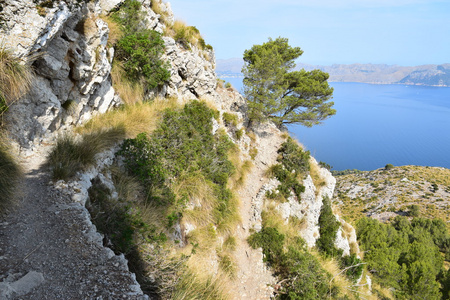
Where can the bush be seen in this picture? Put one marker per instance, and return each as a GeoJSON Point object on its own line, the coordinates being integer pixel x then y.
{"type": "Point", "coordinates": [140, 49]}
{"type": "Point", "coordinates": [355, 270]}
{"type": "Point", "coordinates": [230, 119]}
{"type": "Point", "coordinates": [300, 274]}
{"type": "Point", "coordinates": [293, 158]}
{"type": "Point", "coordinates": [328, 227]}
{"type": "Point", "coordinates": [10, 177]}
{"type": "Point", "coordinates": [414, 210]}
{"type": "Point", "coordinates": [404, 255]}
{"type": "Point", "coordinates": [293, 161]}
{"type": "Point", "coordinates": [182, 146]}
{"type": "Point", "coordinates": [389, 167]}
{"type": "Point", "coordinates": [140, 53]}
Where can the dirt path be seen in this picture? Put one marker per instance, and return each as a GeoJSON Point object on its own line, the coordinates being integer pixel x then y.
{"type": "Point", "coordinates": [253, 278]}
{"type": "Point", "coordinates": [50, 250]}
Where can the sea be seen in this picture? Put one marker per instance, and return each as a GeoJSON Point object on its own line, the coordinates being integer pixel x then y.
{"type": "Point", "coordinates": [379, 124]}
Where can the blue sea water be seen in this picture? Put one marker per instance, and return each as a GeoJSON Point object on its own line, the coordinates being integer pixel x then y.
{"type": "Point", "coordinates": [380, 124]}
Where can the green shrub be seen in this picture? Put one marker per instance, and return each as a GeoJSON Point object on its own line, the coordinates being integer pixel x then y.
{"type": "Point", "coordinates": [293, 158]}
{"type": "Point", "coordinates": [293, 162]}
{"type": "Point", "coordinates": [140, 53]}
{"type": "Point", "coordinates": [182, 145]}
{"type": "Point", "coordinates": [230, 119]}
{"type": "Point", "coordinates": [239, 133]}
{"type": "Point", "coordinates": [300, 274]}
{"type": "Point", "coordinates": [353, 263]}
{"type": "Point", "coordinates": [389, 167]}
{"type": "Point", "coordinates": [71, 154]}
{"type": "Point", "coordinates": [405, 255]}
{"type": "Point", "coordinates": [271, 241]}
{"type": "Point", "coordinates": [325, 165]}
{"type": "Point", "coordinates": [328, 227]}
{"type": "Point", "coordinates": [10, 177]}
{"type": "Point", "coordinates": [414, 210]}
{"type": "Point", "coordinates": [228, 85]}
{"type": "Point", "coordinates": [140, 49]}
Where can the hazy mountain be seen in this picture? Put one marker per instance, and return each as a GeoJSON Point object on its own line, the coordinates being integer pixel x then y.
{"type": "Point", "coordinates": [433, 75]}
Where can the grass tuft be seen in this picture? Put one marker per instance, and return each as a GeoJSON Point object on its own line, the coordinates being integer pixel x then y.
{"type": "Point", "coordinates": [135, 118]}
{"type": "Point", "coordinates": [10, 176]}
{"type": "Point", "coordinates": [15, 79]}
{"type": "Point", "coordinates": [72, 154]}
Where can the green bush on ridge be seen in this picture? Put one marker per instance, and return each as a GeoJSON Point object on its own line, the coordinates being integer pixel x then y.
{"type": "Point", "coordinates": [292, 163]}
{"type": "Point", "coordinates": [140, 49]}
{"type": "Point", "coordinates": [299, 272]}
{"type": "Point", "coordinates": [182, 145]}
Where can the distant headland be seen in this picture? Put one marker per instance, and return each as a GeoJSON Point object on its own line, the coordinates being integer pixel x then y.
{"type": "Point", "coordinates": [428, 75]}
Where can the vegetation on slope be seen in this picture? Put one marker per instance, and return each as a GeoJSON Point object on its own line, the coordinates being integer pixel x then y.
{"type": "Point", "coordinates": [10, 176]}
{"type": "Point", "coordinates": [292, 167]}
{"type": "Point", "coordinates": [405, 255]}
{"type": "Point", "coordinates": [139, 49]}
{"type": "Point", "coordinates": [179, 174]}
{"type": "Point", "coordinates": [387, 192]}
{"type": "Point", "coordinates": [15, 79]}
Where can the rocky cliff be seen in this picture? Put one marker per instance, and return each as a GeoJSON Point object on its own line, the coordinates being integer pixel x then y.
{"type": "Point", "coordinates": [66, 43]}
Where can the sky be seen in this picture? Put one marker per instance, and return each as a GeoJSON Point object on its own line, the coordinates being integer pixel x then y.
{"type": "Point", "coordinates": [402, 32]}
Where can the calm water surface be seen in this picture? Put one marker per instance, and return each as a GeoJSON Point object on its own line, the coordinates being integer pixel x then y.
{"type": "Point", "coordinates": [380, 124]}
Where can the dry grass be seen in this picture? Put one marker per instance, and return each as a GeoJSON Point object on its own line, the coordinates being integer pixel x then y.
{"type": "Point", "coordinates": [157, 9]}
{"type": "Point", "coordinates": [114, 30]}
{"type": "Point", "coordinates": [10, 176]}
{"type": "Point", "coordinates": [199, 194]}
{"type": "Point", "coordinates": [338, 279]}
{"type": "Point", "coordinates": [128, 188]}
{"type": "Point", "coordinates": [15, 78]}
{"type": "Point", "coordinates": [135, 119]}
{"type": "Point", "coordinates": [200, 283]}
{"type": "Point", "coordinates": [314, 171]}
{"type": "Point", "coordinates": [129, 92]}
{"type": "Point", "coordinates": [186, 35]}
{"type": "Point", "coordinates": [243, 168]}
{"type": "Point", "coordinates": [272, 218]}
{"type": "Point", "coordinates": [228, 221]}
{"type": "Point", "coordinates": [72, 154]}
{"type": "Point", "coordinates": [90, 26]}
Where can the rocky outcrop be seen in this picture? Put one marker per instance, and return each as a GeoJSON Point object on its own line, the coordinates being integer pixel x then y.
{"type": "Point", "coordinates": [72, 65]}
{"type": "Point", "coordinates": [68, 46]}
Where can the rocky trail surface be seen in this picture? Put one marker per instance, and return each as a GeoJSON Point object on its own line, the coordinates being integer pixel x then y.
{"type": "Point", "coordinates": [254, 280]}
{"type": "Point", "coordinates": [49, 249]}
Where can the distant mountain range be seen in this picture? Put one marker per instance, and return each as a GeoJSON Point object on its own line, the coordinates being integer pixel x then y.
{"type": "Point", "coordinates": [430, 75]}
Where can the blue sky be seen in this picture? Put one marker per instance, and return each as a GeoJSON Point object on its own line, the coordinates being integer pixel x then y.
{"type": "Point", "coordinates": [403, 32]}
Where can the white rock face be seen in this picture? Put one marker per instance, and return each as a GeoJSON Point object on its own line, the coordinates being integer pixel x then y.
{"type": "Point", "coordinates": [192, 72]}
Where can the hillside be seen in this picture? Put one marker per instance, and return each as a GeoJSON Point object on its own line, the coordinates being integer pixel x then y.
{"type": "Point", "coordinates": [130, 172]}
{"type": "Point", "coordinates": [385, 193]}
{"type": "Point", "coordinates": [430, 75]}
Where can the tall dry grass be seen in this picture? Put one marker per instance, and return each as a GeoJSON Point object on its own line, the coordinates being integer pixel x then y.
{"type": "Point", "coordinates": [15, 78]}
{"type": "Point", "coordinates": [10, 176]}
{"type": "Point", "coordinates": [134, 119]}
{"type": "Point", "coordinates": [129, 92]}
{"type": "Point", "coordinates": [74, 153]}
